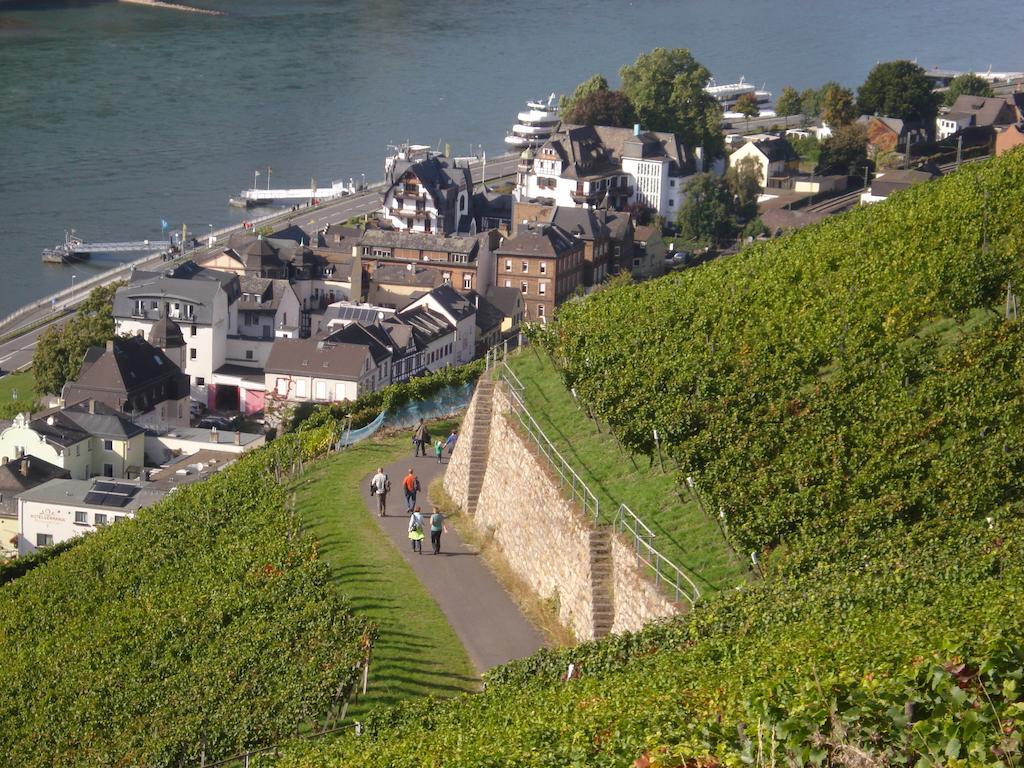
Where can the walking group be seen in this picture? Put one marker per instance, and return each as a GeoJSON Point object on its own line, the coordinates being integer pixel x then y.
{"type": "Point", "coordinates": [380, 487]}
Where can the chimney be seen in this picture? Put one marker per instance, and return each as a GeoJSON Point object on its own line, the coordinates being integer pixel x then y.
{"type": "Point", "coordinates": [110, 345]}
{"type": "Point", "coordinates": [92, 406]}
{"type": "Point", "coordinates": [356, 277]}
{"type": "Point", "coordinates": [214, 436]}
{"type": "Point", "coordinates": [25, 464]}
{"type": "Point", "coordinates": [238, 437]}
{"type": "Point", "coordinates": [636, 129]}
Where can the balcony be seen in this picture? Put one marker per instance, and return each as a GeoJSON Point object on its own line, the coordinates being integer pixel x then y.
{"type": "Point", "coordinates": [409, 213]}
{"type": "Point", "coordinates": [408, 193]}
{"type": "Point", "coordinates": [587, 198]}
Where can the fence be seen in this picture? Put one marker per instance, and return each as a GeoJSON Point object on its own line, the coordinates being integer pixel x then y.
{"type": "Point", "coordinates": [578, 490]}
{"type": "Point", "coordinates": [625, 521]}
{"type": "Point", "coordinates": [660, 567]}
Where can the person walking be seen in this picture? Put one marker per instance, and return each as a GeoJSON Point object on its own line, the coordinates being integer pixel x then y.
{"type": "Point", "coordinates": [411, 484]}
{"type": "Point", "coordinates": [450, 442]}
{"type": "Point", "coordinates": [416, 530]}
{"type": "Point", "coordinates": [420, 439]}
{"type": "Point", "coordinates": [437, 527]}
{"type": "Point", "coordinates": [438, 450]}
{"type": "Point", "coordinates": [380, 486]}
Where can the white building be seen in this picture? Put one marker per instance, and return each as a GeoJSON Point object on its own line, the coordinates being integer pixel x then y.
{"type": "Point", "coordinates": [775, 158]}
{"type": "Point", "coordinates": [427, 193]}
{"type": "Point", "coordinates": [585, 166]}
{"type": "Point", "coordinates": [459, 312]}
{"type": "Point", "coordinates": [63, 509]}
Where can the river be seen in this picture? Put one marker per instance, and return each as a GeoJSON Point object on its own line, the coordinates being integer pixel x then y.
{"type": "Point", "coordinates": [113, 117]}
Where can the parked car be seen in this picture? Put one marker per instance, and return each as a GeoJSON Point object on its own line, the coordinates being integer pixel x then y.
{"type": "Point", "coordinates": [220, 422]}
{"type": "Point", "coordinates": [196, 408]}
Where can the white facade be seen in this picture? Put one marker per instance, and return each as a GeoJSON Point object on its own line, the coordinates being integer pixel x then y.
{"type": "Point", "coordinates": [464, 347]}
{"type": "Point", "coordinates": [950, 124]}
{"type": "Point", "coordinates": [91, 457]}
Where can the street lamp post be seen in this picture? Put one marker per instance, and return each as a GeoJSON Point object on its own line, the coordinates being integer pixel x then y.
{"type": "Point", "coordinates": [209, 242]}
{"type": "Point", "coordinates": [73, 287]}
{"type": "Point", "coordinates": [363, 185]}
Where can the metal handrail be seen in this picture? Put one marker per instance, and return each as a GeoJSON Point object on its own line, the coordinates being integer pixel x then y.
{"type": "Point", "coordinates": [643, 548]}
{"type": "Point", "coordinates": [579, 491]}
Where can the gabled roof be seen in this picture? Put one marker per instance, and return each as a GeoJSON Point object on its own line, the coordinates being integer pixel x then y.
{"type": "Point", "coordinates": [506, 300]}
{"type": "Point", "coordinates": [124, 366]}
{"type": "Point", "coordinates": [191, 284]}
{"type": "Point", "coordinates": [454, 303]}
{"type": "Point", "coordinates": [777, 150]}
{"type": "Point", "coordinates": [984, 110]}
{"type": "Point", "coordinates": [398, 274]}
{"type": "Point", "coordinates": [421, 241]}
{"type": "Point", "coordinates": [317, 357]}
{"type": "Point", "coordinates": [488, 316]}
{"type": "Point", "coordinates": [426, 325]}
{"type": "Point", "coordinates": [27, 472]}
{"type": "Point", "coordinates": [166, 334]}
{"type": "Point", "coordinates": [355, 334]}
{"type": "Point", "coordinates": [585, 223]}
{"type": "Point", "coordinates": [261, 294]}
{"type": "Point", "coordinates": [73, 424]}
{"type": "Point", "coordinates": [541, 240]}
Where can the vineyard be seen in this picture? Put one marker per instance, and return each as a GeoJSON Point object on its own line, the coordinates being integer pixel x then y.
{"type": "Point", "coordinates": [205, 625]}
{"type": "Point", "coordinates": [849, 399]}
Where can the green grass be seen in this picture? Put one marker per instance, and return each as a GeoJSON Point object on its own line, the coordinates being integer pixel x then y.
{"type": "Point", "coordinates": [417, 652]}
{"type": "Point", "coordinates": [24, 386]}
{"type": "Point", "coordinates": [684, 534]}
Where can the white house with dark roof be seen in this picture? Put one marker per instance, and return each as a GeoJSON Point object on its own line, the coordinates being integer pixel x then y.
{"type": "Point", "coordinates": [774, 157]}
{"type": "Point", "coordinates": [427, 193]}
{"type": "Point", "coordinates": [587, 166]}
{"type": "Point", "coordinates": [200, 301]}
{"type": "Point", "coordinates": [460, 313]}
{"type": "Point", "coordinates": [87, 439]}
{"type": "Point", "coordinates": [64, 509]}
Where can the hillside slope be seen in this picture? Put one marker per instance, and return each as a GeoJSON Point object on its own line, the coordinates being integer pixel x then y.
{"type": "Point", "coordinates": [849, 398]}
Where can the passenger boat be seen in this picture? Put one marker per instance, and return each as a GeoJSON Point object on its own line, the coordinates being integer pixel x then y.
{"type": "Point", "coordinates": [535, 125]}
{"type": "Point", "coordinates": [65, 253]}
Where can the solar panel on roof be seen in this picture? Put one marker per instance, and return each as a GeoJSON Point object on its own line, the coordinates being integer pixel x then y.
{"type": "Point", "coordinates": [110, 494]}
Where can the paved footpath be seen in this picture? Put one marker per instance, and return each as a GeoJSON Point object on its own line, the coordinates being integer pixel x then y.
{"type": "Point", "coordinates": [488, 623]}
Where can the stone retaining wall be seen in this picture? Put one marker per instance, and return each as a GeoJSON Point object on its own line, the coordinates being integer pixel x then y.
{"type": "Point", "coordinates": [544, 537]}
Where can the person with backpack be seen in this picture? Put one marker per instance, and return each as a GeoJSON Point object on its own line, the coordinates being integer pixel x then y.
{"type": "Point", "coordinates": [437, 526]}
{"type": "Point", "coordinates": [420, 439]}
{"type": "Point", "coordinates": [438, 450]}
{"type": "Point", "coordinates": [416, 530]}
{"type": "Point", "coordinates": [380, 486]}
{"type": "Point", "coordinates": [411, 485]}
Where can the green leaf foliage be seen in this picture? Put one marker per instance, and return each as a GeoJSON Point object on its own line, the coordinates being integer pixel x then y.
{"type": "Point", "coordinates": [850, 399]}
{"type": "Point", "coordinates": [206, 621]}
{"type": "Point", "coordinates": [898, 89]}
{"type": "Point", "coordinates": [967, 83]}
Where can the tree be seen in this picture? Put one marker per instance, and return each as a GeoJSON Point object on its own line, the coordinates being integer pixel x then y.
{"type": "Point", "coordinates": [844, 152]}
{"type": "Point", "coordinates": [60, 350]}
{"type": "Point", "coordinates": [810, 102]}
{"type": "Point", "coordinates": [592, 84]}
{"type": "Point", "coordinates": [666, 88]}
{"type": "Point", "coordinates": [744, 181]}
{"type": "Point", "coordinates": [747, 105]}
{"type": "Point", "coordinates": [706, 215]}
{"type": "Point", "coordinates": [968, 84]}
{"type": "Point", "coordinates": [898, 89]}
{"type": "Point", "coordinates": [788, 102]}
{"type": "Point", "coordinates": [601, 108]}
{"type": "Point", "coordinates": [837, 107]}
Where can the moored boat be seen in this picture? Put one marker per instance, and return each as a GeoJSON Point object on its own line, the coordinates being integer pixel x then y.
{"type": "Point", "coordinates": [535, 125]}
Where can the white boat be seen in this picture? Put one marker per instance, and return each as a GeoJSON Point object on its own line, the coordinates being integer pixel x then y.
{"type": "Point", "coordinates": [535, 125]}
{"type": "Point", "coordinates": [728, 94]}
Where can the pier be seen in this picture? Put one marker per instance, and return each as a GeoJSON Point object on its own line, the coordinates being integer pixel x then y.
{"type": "Point", "coordinates": [255, 196]}
{"type": "Point", "coordinates": [75, 249]}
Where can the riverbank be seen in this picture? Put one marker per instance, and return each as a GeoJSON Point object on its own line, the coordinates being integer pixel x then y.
{"type": "Point", "coordinates": [174, 7]}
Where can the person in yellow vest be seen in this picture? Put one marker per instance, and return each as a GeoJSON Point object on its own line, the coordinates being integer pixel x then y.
{"type": "Point", "coordinates": [416, 530]}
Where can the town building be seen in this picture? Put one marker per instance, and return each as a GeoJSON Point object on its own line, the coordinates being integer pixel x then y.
{"type": "Point", "coordinates": [460, 313]}
{"type": "Point", "coordinates": [136, 378]}
{"type": "Point", "coordinates": [776, 160]}
{"type": "Point", "coordinates": [87, 439]}
{"type": "Point", "coordinates": [886, 183]}
{"type": "Point", "coordinates": [891, 134]}
{"type": "Point", "coordinates": [427, 193]}
{"type": "Point", "coordinates": [1009, 137]}
{"type": "Point", "coordinates": [16, 477]}
{"type": "Point", "coordinates": [508, 301]}
{"type": "Point", "coordinates": [590, 226]}
{"type": "Point", "coordinates": [464, 261]}
{"type": "Point", "coordinates": [64, 509]}
{"type": "Point", "coordinates": [590, 166]}
{"type": "Point", "coordinates": [980, 111]}
{"type": "Point", "coordinates": [545, 263]}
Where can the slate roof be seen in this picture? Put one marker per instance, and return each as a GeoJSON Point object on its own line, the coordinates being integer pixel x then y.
{"type": "Point", "coordinates": [505, 300]}
{"type": "Point", "coordinates": [338, 355]}
{"type": "Point", "coordinates": [397, 274]}
{"type": "Point", "coordinates": [777, 151]}
{"type": "Point", "coordinates": [455, 303]}
{"type": "Point", "coordinates": [124, 366]}
{"type": "Point", "coordinates": [587, 223]}
{"type": "Point", "coordinates": [543, 240]}
{"type": "Point", "coordinates": [426, 325]}
{"type": "Point", "coordinates": [194, 285]}
{"type": "Point", "coordinates": [19, 475]}
{"type": "Point", "coordinates": [261, 294]}
{"type": "Point", "coordinates": [985, 111]}
{"type": "Point", "coordinates": [166, 334]}
{"type": "Point", "coordinates": [488, 316]}
{"type": "Point", "coordinates": [421, 241]}
{"type": "Point", "coordinates": [101, 492]}
{"type": "Point", "coordinates": [74, 423]}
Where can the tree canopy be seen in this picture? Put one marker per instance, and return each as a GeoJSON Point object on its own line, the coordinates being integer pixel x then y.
{"type": "Point", "coordinates": [968, 83]}
{"type": "Point", "coordinates": [707, 214]}
{"type": "Point", "coordinates": [898, 89]}
{"type": "Point", "coordinates": [601, 107]}
{"type": "Point", "coordinates": [837, 107]}
{"type": "Point", "coordinates": [788, 102]}
{"type": "Point", "coordinates": [844, 152]}
{"type": "Point", "coordinates": [61, 349]}
{"type": "Point", "coordinates": [747, 105]}
{"type": "Point", "coordinates": [593, 84]}
{"type": "Point", "coordinates": [666, 88]}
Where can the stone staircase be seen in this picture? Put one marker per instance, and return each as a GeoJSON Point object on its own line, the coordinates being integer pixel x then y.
{"type": "Point", "coordinates": [480, 438]}
{"type": "Point", "coordinates": [601, 586]}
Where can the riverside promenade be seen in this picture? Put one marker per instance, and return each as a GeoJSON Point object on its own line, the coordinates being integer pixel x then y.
{"type": "Point", "coordinates": [20, 329]}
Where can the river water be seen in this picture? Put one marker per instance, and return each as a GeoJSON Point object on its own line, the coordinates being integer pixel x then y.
{"type": "Point", "coordinates": [113, 117]}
